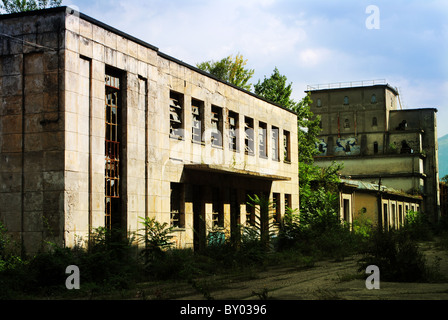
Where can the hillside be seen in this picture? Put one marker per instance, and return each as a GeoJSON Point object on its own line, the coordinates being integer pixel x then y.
{"type": "Point", "coordinates": [443, 156]}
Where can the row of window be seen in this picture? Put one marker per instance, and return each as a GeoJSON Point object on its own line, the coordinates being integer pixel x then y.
{"type": "Point", "coordinates": [346, 100]}
{"type": "Point", "coordinates": [177, 128]}
{"type": "Point", "coordinates": [177, 216]}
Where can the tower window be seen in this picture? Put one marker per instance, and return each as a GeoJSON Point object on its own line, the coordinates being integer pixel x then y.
{"type": "Point", "coordinates": [374, 122]}
{"type": "Point", "coordinates": [373, 98]}
{"type": "Point", "coordinates": [375, 147]}
{"type": "Point", "coordinates": [346, 100]}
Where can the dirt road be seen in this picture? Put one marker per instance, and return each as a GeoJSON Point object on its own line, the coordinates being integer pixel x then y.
{"type": "Point", "coordinates": [326, 280]}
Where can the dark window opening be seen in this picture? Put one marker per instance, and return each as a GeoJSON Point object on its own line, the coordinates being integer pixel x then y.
{"type": "Point", "coordinates": [249, 136]}
{"type": "Point", "coordinates": [216, 134]}
{"type": "Point", "coordinates": [275, 142]}
{"type": "Point", "coordinates": [176, 115]}
{"type": "Point", "coordinates": [375, 147]}
{"type": "Point", "coordinates": [233, 131]}
{"type": "Point", "coordinates": [276, 207]}
{"type": "Point", "coordinates": [113, 106]}
{"type": "Point", "coordinates": [287, 202]}
{"type": "Point", "coordinates": [262, 135]}
{"type": "Point", "coordinates": [217, 208]}
{"type": "Point", "coordinates": [176, 213]}
{"type": "Point", "coordinates": [346, 123]}
{"type": "Point", "coordinates": [374, 122]}
{"type": "Point", "coordinates": [197, 127]}
{"type": "Point", "coordinates": [286, 146]}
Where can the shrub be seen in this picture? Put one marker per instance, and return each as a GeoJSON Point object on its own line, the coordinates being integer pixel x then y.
{"type": "Point", "coordinates": [397, 256]}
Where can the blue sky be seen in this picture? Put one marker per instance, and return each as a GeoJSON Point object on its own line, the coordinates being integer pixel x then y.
{"type": "Point", "coordinates": [311, 42]}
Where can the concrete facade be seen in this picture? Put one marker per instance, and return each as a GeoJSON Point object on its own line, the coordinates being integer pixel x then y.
{"type": "Point", "coordinates": [99, 128]}
{"type": "Point", "coordinates": [365, 129]}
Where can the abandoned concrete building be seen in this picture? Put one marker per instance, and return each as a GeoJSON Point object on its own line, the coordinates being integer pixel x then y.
{"type": "Point", "coordinates": [365, 128]}
{"type": "Point", "coordinates": [98, 128]}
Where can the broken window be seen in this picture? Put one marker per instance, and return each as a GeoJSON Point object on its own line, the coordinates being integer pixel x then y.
{"type": "Point", "coordinates": [217, 208]}
{"type": "Point", "coordinates": [176, 115]}
{"type": "Point", "coordinates": [112, 149]}
{"type": "Point", "coordinates": [275, 144]}
{"type": "Point", "coordinates": [233, 131]}
{"type": "Point", "coordinates": [262, 139]}
{"type": "Point", "coordinates": [197, 112]}
{"type": "Point", "coordinates": [286, 146]}
{"type": "Point", "coordinates": [176, 217]}
{"type": "Point", "coordinates": [249, 135]}
{"type": "Point", "coordinates": [216, 134]}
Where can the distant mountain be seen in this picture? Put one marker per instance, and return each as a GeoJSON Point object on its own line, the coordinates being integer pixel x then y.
{"type": "Point", "coordinates": [443, 156]}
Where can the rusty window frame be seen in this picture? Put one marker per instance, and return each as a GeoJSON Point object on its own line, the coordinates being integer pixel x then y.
{"type": "Point", "coordinates": [112, 143]}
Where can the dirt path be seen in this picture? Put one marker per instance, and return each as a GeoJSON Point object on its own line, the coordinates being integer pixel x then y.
{"type": "Point", "coordinates": [326, 280]}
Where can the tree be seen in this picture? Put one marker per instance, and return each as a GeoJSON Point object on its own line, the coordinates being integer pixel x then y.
{"type": "Point", "coordinates": [275, 89]}
{"type": "Point", "coordinates": [230, 69]}
{"type": "Point", "coordinates": [13, 6]}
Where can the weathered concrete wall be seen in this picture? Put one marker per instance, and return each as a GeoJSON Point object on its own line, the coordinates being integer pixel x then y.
{"type": "Point", "coordinates": [32, 129]}
{"type": "Point", "coordinates": [55, 170]}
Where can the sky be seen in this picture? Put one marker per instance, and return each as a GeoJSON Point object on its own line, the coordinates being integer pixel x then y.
{"type": "Point", "coordinates": [404, 42]}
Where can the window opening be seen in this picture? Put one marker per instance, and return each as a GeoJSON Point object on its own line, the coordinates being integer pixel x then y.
{"type": "Point", "coordinates": [112, 149]}
{"type": "Point", "coordinates": [286, 146]}
{"type": "Point", "coordinates": [176, 115]}
{"type": "Point", "coordinates": [287, 202]}
{"type": "Point", "coordinates": [345, 100]}
{"type": "Point", "coordinates": [217, 215]}
{"type": "Point", "coordinates": [175, 205]}
{"type": "Point", "coordinates": [375, 147]}
{"type": "Point", "coordinates": [249, 135]}
{"type": "Point", "coordinates": [276, 207]}
{"type": "Point", "coordinates": [346, 123]}
{"type": "Point", "coordinates": [233, 131]}
{"type": "Point", "coordinates": [374, 122]}
{"type": "Point", "coordinates": [197, 111]}
{"type": "Point", "coordinates": [216, 134]}
{"type": "Point", "coordinates": [373, 98]}
{"type": "Point", "coordinates": [275, 141]}
{"type": "Point", "coordinates": [262, 138]}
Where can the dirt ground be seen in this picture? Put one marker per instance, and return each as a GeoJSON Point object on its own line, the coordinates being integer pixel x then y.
{"type": "Point", "coordinates": [326, 280]}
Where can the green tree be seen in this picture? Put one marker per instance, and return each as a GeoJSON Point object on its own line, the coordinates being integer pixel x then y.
{"type": "Point", "coordinates": [230, 69]}
{"type": "Point", "coordinates": [276, 90]}
{"type": "Point", "coordinates": [13, 6]}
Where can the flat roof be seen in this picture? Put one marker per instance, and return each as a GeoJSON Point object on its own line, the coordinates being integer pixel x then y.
{"type": "Point", "coordinates": [83, 16]}
{"type": "Point", "coordinates": [323, 88]}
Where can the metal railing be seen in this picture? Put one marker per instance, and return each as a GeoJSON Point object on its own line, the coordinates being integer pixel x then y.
{"type": "Point", "coordinates": [349, 84]}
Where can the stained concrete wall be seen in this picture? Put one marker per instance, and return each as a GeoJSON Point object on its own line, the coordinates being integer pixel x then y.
{"type": "Point", "coordinates": [32, 128]}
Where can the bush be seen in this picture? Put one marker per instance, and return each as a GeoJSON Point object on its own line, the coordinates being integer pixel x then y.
{"type": "Point", "coordinates": [397, 256]}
